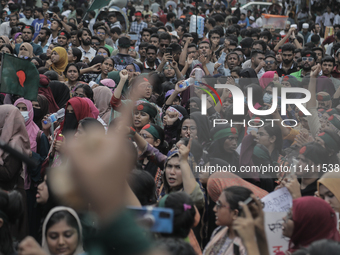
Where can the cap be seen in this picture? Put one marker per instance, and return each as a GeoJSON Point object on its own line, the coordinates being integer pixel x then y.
{"type": "Point", "coordinates": [293, 26]}
{"type": "Point", "coordinates": [155, 14]}
{"type": "Point", "coordinates": [252, 18]}
{"type": "Point", "coordinates": [305, 25]}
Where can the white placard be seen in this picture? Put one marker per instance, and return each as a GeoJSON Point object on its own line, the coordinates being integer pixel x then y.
{"type": "Point", "coordinates": [278, 201]}
{"type": "Point", "coordinates": [273, 228]}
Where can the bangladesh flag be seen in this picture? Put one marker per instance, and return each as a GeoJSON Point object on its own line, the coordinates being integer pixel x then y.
{"type": "Point", "coordinates": [98, 4]}
{"type": "Point", "coordinates": [19, 76]}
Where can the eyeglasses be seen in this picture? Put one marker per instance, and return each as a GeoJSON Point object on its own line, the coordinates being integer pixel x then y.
{"type": "Point", "coordinates": [102, 53]}
{"type": "Point", "coordinates": [145, 136]}
{"type": "Point", "coordinates": [192, 128]}
{"type": "Point", "coordinates": [100, 33]}
{"type": "Point", "coordinates": [269, 62]}
{"type": "Point", "coordinates": [78, 95]}
{"type": "Point", "coordinates": [95, 43]}
{"type": "Point", "coordinates": [24, 57]}
{"type": "Point", "coordinates": [309, 59]}
{"type": "Point", "coordinates": [164, 45]}
{"type": "Point", "coordinates": [219, 205]}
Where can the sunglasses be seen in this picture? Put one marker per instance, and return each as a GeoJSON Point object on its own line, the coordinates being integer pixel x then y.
{"type": "Point", "coordinates": [164, 45]}
{"type": "Point", "coordinates": [270, 62]}
{"type": "Point", "coordinates": [78, 95]}
{"type": "Point", "coordinates": [97, 43]}
{"type": "Point", "coordinates": [310, 59]}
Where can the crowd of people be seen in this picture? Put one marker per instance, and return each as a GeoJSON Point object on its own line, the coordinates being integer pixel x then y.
{"type": "Point", "coordinates": [133, 131]}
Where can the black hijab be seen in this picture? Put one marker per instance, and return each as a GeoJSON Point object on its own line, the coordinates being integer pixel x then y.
{"type": "Point", "coordinates": [40, 113]}
{"type": "Point", "coordinates": [248, 76]}
{"type": "Point", "coordinates": [61, 93]}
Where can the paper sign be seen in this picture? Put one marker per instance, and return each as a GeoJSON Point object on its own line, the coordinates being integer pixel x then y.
{"type": "Point", "coordinates": [278, 201]}
{"type": "Point", "coordinates": [273, 228]}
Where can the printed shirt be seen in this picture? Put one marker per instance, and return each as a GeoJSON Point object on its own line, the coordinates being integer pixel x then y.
{"type": "Point", "coordinates": [138, 27]}
{"type": "Point", "coordinates": [90, 54]}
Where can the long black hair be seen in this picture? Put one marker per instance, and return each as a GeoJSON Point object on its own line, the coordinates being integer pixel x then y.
{"type": "Point", "coordinates": [63, 215]}
{"type": "Point", "coordinates": [236, 194]}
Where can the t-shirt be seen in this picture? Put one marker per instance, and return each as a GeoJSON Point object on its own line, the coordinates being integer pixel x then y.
{"type": "Point", "coordinates": [37, 24]}
{"type": "Point", "coordinates": [327, 19]}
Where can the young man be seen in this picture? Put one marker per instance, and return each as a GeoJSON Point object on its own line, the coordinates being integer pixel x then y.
{"type": "Point", "coordinates": [204, 50]}
{"type": "Point", "coordinates": [74, 39]}
{"type": "Point", "coordinates": [6, 27]}
{"type": "Point", "coordinates": [257, 62]}
{"type": "Point", "coordinates": [243, 22]}
{"type": "Point", "coordinates": [308, 61]}
{"type": "Point", "coordinates": [146, 33]}
{"type": "Point", "coordinates": [288, 65]}
{"type": "Point", "coordinates": [43, 36]}
{"type": "Point", "coordinates": [151, 63]}
{"type": "Point", "coordinates": [56, 26]}
{"type": "Point", "coordinates": [154, 40]}
{"type": "Point", "coordinates": [336, 69]}
{"type": "Point", "coordinates": [171, 17]}
{"type": "Point", "coordinates": [28, 16]}
{"type": "Point", "coordinates": [84, 38]}
{"type": "Point", "coordinates": [115, 34]}
{"type": "Point", "coordinates": [142, 51]}
{"type": "Point", "coordinates": [114, 21]}
{"type": "Point", "coordinates": [271, 64]}
{"type": "Point", "coordinates": [209, 23]}
{"type": "Point", "coordinates": [232, 60]}
{"type": "Point", "coordinates": [305, 33]}
{"type": "Point", "coordinates": [95, 42]}
{"type": "Point", "coordinates": [27, 35]}
{"type": "Point", "coordinates": [39, 22]}
{"type": "Point", "coordinates": [327, 66]}
{"type": "Point", "coordinates": [138, 25]}
{"type": "Point", "coordinates": [123, 59]}
{"type": "Point", "coordinates": [73, 13]}
{"type": "Point", "coordinates": [102, 35]}
{"type": "Point", "coordinates": [92, 18]}
{"type": "Point", "coordinates": [164, 42]}
{"type": "Point", "coordinates": [64, 39]}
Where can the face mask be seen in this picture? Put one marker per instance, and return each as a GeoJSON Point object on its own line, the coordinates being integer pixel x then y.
{"type": "Point", "coordinates": [267, 98]}
{"type": "Point", "coordinates": [71, 123]}
{"type": "Point", "coordinates": [237, 80]}
{"type": "Point", "coordinates": [249, 129]}
{"type": "Point", "coordinates": [25, 115]}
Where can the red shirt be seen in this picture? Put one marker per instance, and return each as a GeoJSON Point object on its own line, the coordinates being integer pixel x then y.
{"type": "Point", "coordinates": [335, 73]}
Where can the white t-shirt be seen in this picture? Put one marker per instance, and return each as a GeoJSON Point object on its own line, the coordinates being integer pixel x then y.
{"type": "Point", "coordinates": [327, 19]}
{"type": "Point", "coordinates": [336, 20]}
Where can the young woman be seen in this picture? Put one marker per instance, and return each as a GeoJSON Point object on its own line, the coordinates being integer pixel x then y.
{"type": "Point", "coordinates": [226, 210]}
{"type": "Point", "coordinates": [300, 223]}
{"type": "Point", "coordinates": [106, 67]}
{"type": "Point", "coordinates": [58, 61]}
{"type": "Point", "coordinates": [6, 48]}
{"type": "Point", "coordinates": [25, 51]}
{"type": "Point", "coordinates": [72, 73]}
{"type": "Point", "coordinates": [40, 109]}
{"type": "Point", "coordinates": [144, 113]}
{"type": "Point", "coordinates": [328, 190]}
{"type": "Point", "coordinates": [267, 77]}
{"type": "Point", "coordinates": [62, 232]}
{"type": "Point", "coordinates": [102, 96]}
{"type": "Point", "coordinates": [83, 90]}
{"type": "Point", "coordinates": [61, 93]}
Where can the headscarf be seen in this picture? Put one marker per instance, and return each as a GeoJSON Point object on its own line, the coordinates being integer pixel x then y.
{"type": "Point", "coordinates": [81, 110]}
{"type": "Point", "coordinates": [94, 110]}
{"type": "Point", "coordinates": [219, 181]}
{"type": "Point", "coordinates": [6, 39]}
{"type": "Point", "coordinates": [60, 66]}
{"type": "Point", "coordinates": [40, 113]}
{"type": "Point", "coordinates": [325, 84]}
{"type": "Point", "coordinates": [324, 97]}
{"type": "Point", "coordinates": [61, 93]}
{"type": "Point", "coordinates": [31, 127]}
{"type": "Point", "coordinates": [267, 78]}
{"type": "Point", "coordinates": [13, 131]}
{"type": "Point", "coordinates": [311, 214]}
{"type": "Point", "coordinates": [114, 75]}
{"type": "Point", "coordinates": [102, 96]}
{"type": "Point", "coordinates": [249, 76]}
{"type": "Point", "coordinates": [108, 83]}
{"type": "Point", "coordinates": [44, 244]}
{"type": "Point", "coordinates": [16, 36]}
{"type": "Point", "coordinates": [332, 182]}
{"type": "Point", "coordinates": [29, 48]}
{"type": "Point", "coordinates": [45, 90]}
{"type": "Point", "coordinates": [203, 127]}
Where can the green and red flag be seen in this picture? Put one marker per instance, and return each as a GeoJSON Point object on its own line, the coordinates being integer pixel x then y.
{"type": "Point", "coordinates": [19, 77]}
{"type": "Point", "coordinates": [98, 4]}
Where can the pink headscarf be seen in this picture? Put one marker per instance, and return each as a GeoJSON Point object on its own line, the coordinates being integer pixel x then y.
{"type": "Point", "coordinates": [109, 83]}
{"type": "Point", "coordinates": [267, 78]}
{"type": "Point", "coordinates": [94, 110]}
{"type": "Point", "coordinates": [31, 127]}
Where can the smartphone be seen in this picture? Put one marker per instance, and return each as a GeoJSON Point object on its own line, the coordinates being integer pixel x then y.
{"type": "Point", "coordinates": [50, 14]}
{"type": "Point", "coordinates": [246, 202]}
{"type": "Point", "coordinates": [168, 50]}
{"type": "Point", "coordinates": [156, 219]}
{"type": "Point", "coordinates": [133, 37]}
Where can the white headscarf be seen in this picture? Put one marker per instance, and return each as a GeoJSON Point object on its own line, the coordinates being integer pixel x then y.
{"type": "Point", "coordinates": [44, 245]}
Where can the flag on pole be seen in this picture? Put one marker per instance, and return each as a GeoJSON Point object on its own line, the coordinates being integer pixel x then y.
{"type": "Point", "coordinates": [98, 4]}
{"type": "Point", "coordinates": [19, 76]}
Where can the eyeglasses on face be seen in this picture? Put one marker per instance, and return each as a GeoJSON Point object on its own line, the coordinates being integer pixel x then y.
{"type": "Point", "coordinates": [75, 94]}
{"type": "Point", "coordinates": [100, 33]}
{"type": "Point", "coordinates": [192, 128]}
{"type": "Point", "coordinates": [102, 53]}
{"type": "Point", "coordinates": [270, 62]}
{"type": "Point", "coordinates": [309, 59]}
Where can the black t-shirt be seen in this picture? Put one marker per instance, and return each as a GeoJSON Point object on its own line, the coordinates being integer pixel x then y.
{"type": "Point", "coordinates": [310, 189]}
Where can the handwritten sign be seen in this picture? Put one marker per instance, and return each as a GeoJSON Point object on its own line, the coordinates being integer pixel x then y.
{"type": "Point", "coordinates": [278, 201]}
{"type": "Point", "coordinates": [273, 228]}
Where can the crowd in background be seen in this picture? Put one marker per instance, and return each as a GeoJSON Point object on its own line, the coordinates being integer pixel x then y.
{"type": "Point", "coordinates": [133, 133]}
